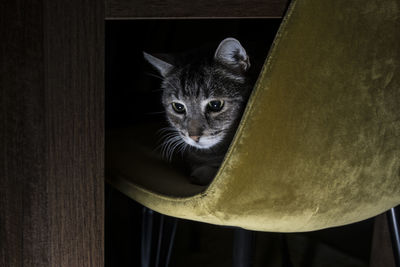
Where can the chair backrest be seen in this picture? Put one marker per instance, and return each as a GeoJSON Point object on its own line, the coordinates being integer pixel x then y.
{"type": "Point", "coordinates": [319, 144]}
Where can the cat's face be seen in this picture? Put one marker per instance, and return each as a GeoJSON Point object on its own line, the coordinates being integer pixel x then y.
{"type": "Point", "coordinates": [203, 101]}
{"type": "Point", "coordinates": [201, 104]}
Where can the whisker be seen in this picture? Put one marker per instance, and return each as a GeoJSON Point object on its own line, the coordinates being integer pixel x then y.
{"type": "Point", "coordinates": [165, 139]}
{"type": "Point", "coordinates": [168, 128]}
{"type": "Point", "coordinates": [154, 113]}
{"type": "Point", "coordinates": [183, 147]}
{"type": "Point", "coordinates": [169, 135]}
{"type": "Point", "coordinates": [165, 129]}
{"type": "Point", "coordinates": [169, 145]}
{"type": "Point", "coordinates": [154, 75]}
{"type": "Point", "coordinates": [170, 149]}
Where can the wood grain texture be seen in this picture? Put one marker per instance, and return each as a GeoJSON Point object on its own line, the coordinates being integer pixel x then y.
{"type": "Point", "coordinates": [51, 133]}
{"type": "Point", "coordinates": [124, 9]}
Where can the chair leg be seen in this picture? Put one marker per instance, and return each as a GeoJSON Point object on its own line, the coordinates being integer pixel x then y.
{"type": "Point", "coordinates": [243, 247]}
{"type": "Point", "coordinates": [147, 233]}
{"type": "Point", "coordinates": [166, 236]}
{"type": "Point", "coordinates": [108, 226]}
{"type": "Point", "coordinates": [286, 261]}
{"type": "Point", "coordinates": [393, 216]}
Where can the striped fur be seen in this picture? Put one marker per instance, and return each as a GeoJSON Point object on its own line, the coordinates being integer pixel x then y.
{"type": "Point", "coordinates": [222, 77]}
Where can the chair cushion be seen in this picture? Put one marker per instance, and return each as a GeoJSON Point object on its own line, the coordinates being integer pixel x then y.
{"type": "Point", "coordinates": [319, 143]}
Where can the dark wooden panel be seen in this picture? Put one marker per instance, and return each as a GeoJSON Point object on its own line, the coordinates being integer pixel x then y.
{"type": "Point", "coordinates": [51, 133]}
{"type": "Point", "coordinates": [125, 9]}
{"type": "Point", "coordinates": [23, 224]}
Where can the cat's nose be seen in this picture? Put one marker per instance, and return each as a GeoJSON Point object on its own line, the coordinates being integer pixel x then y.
{"type": "Point", "coordinates": [195, 138]}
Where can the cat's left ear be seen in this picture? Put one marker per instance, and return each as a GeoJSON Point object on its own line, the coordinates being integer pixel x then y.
{"type": "Point", "coordinates": [231, 53]}
{"type": "Point", "coordinates": [162, 66]}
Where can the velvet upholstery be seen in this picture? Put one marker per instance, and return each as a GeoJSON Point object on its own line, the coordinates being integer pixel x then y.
{"type": "Point", "coordinates": [319, 143]}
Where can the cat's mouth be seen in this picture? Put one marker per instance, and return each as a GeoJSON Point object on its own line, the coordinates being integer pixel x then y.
{"type": "Point", "coordinates": [205, 141]}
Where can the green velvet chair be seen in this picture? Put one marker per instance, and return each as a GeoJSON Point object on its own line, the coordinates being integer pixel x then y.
{"type": "Point", "coordinates": [319, 143]}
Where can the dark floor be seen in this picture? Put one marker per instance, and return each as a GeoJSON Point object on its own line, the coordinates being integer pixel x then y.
{"type": "Point", "coordinates": [198, 244]}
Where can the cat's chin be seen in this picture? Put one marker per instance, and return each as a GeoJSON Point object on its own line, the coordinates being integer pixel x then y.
{"type": "Point", "coordinates": [205, 142]}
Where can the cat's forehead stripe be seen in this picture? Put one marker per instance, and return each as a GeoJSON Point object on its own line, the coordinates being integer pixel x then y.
{"type": "Point", "coordinates": [192, 83]}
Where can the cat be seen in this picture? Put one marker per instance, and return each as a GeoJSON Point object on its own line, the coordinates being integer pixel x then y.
{"type": "Point", "coordinates": [204, 100]}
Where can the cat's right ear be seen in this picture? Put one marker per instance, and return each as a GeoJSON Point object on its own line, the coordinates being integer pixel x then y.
{"type": "Point", "coordinates": [163, 67]}
{"type": "Point", "coordinates": [231, 53]}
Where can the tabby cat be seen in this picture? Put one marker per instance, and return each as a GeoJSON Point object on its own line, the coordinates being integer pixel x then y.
{"type": "Point", "coordinates": [204, 100]}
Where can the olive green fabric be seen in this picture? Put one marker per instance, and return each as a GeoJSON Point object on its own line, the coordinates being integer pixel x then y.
{"type": "Point", "coordinates": [319, 144]}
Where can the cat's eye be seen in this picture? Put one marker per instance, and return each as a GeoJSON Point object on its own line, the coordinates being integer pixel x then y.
{"type": "Point", "coordinates": [215, 105]}
{"type": "Point", "coordinates": [178, 107]}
